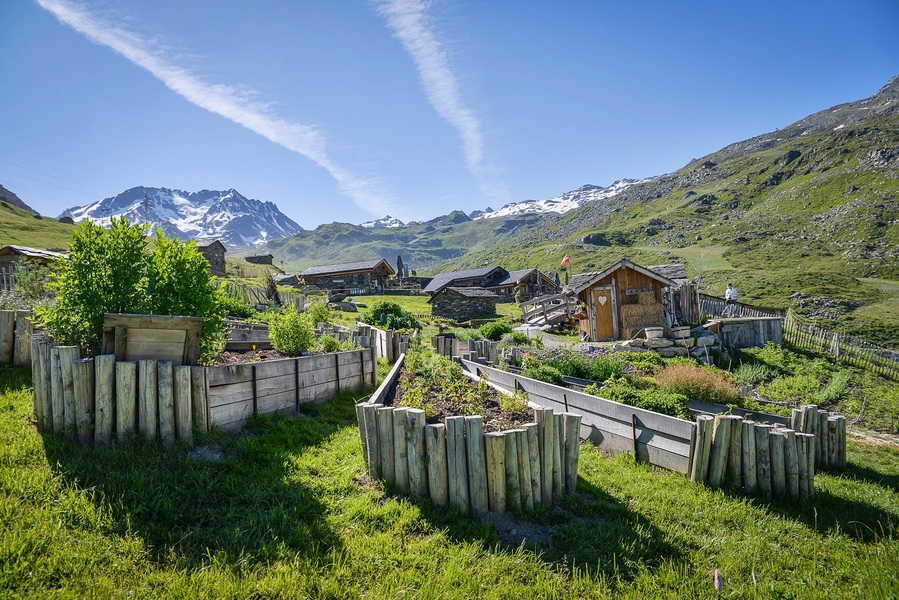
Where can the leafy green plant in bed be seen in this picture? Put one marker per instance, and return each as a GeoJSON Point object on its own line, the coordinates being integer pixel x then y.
{"type": "Point", "coordinates": [546, 373]}
{"type": "Point", "coordinates": [495, 331]}
{"type": "Point", "coordinates": [654, 399]}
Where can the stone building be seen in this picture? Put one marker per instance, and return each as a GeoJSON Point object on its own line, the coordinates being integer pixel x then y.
{"type": "Point", "coordinates": [214, 252]}
{"type": "Point", "coordinates": [260, 259]}
{"type": "Point", "coordinates": [463, 303]}
{"type": "Point", "coordinates": [352, 278]}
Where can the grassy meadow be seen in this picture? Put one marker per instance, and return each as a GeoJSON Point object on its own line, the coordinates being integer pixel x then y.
{"type": "Point", "coordinates": [285, 509]}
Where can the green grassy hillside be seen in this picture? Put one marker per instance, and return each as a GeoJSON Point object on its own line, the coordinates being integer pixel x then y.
{"type": "Point", "coordinates": [23, 227]}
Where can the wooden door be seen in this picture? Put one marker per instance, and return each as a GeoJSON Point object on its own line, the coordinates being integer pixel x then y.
{"type": "Point", "coordinates": [603, 314]}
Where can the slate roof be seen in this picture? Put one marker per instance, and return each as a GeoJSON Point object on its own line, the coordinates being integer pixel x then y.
{"type": "Point", "coordinates": [581, 281]}
{"type": "Point", "coordinates": [676, 272]}
{"type": "Point", "coordinates": [365, 265]}
{"type": "Point", "coordinates": [468, 292]}
{"type": "Point", "coordinates": [13, 250]}
{"type": "Point", "coordinates": [445, 279]}
{"type": "Point", "coordinates": [511, 278]}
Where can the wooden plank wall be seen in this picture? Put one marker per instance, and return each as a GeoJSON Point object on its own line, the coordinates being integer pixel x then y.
{"type": "Point", "coordinates": [611, 426]}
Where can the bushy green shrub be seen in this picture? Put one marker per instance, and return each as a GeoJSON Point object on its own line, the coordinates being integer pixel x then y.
{"type": "Point", "coordinates": [544, 373]}
{"type": "Point", "coordinates": [518, 337]}
{"type": "Point", "coordinates": [111, 271]}
{"type": "Point", "coordinates": [390, 315]}
{"type": "Point", "coordinates": [514, 403]}
{"type": "Point", "coordinates": [698, 383]}
{"type": "Point", "coordinates": [604, 366]}
{"type": "Point", "coordinates": [654, 399]}
{"type": "Point", "coordinates": [235, 306]}
{"type": "Point", "coordinates": [495, 331]}
{"type": "Point", "coordinates": [292, 332]}
{"type": "Point", "coordinates": [327, 343]}
{"type": "Point", "coordinates": [463, 334]}
{"type": "Point", "coordinates": [320, 312]}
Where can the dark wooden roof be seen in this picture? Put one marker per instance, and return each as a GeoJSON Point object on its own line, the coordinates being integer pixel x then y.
{"type": "Point", "coordinates": [676, 272]}
{"type": "Point", "coordinates": [44, 255]}
{"type": "Point", "coordinates": [353, 267]}
{"type": "Point", "coordinates": [582, 281]}
{"type": "Point", "coordinates": [446, 279]}
{"type": "Point", "coordinates": [468, 292]}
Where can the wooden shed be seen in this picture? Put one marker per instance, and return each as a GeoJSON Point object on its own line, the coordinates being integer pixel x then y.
{"type": "Point", "coordinates": [531, 283]}
{"type": "Point", "coordinates": [12, 255]}
{"type": "Point", "coordinates": [620, 300]}
{"type": "Point", "coordinates": [353, 278]}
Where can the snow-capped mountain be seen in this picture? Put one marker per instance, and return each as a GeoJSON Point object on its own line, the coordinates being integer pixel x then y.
{"type": "Point", "coordinates": [560, 204]}
{"type": "Point", "coordinates": [229, 217]}
{"type": "Point", "coordinates": [387, 221]}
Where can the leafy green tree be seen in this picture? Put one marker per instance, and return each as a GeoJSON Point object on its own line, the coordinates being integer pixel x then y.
{"type": "Point", "coordinates": [292, 332]}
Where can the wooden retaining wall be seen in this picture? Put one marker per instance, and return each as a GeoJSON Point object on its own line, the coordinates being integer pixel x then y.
{"type": "Point", "coordinates": [485, 350]}
{"type": "Point", "coordinates": [101, 401]}
{"type": "Point", "coordinates": [15, 337]}
{"type": "Point", "coordinates": [456, 463]}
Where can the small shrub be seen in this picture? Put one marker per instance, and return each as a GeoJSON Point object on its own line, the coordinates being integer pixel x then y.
{"type": "Point", "coordinates": [495, 331]}
{"type": "Point", "coordinates": [753, 372]}
{"type": "Point", "coordinates": [645, 362]}
{"type": "Point", "coordinates": [320, 312]}
{"type": "Point", "coordinates": [390, 315]}
{"type": "Point", "coordinates": [518, 337]}
{"type": "Point", "coordinates": [605, 366]}
{"type": "Point", "coordinates": [292, 332]}
{"type": "Point", "coordinates": [326, 343]}
{"type": "Point", "coordinates": [514, 403]}
{"type": "Point", "coordinates": [657, 400]}
{"type": "Point", "coordinates": [698, 383]}
{"type": "Point", "coordinates": [235, 306]}
{"type": "Point", "coordinates": [464, 335]}
{"type": "Point", "coordinates": [544, 373]}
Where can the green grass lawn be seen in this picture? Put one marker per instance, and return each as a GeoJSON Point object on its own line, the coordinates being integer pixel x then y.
{"type": "Point", "coordinates": [284, 509]}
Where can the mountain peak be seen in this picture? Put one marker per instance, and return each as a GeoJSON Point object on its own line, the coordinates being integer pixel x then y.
{"type": "Point", "coordinates": [206, 215]}
{"type": "Point", "coordinates": [386, 221]}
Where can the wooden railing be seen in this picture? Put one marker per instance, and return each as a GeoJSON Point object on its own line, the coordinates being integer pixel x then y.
{"type": "Point", "coordinates": [714, 306]}
{"type": "Point", "coordinates": [548, 309]}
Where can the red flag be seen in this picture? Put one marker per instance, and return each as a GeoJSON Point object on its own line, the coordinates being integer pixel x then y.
{"type": "Point", "coordinates": [565, 260]}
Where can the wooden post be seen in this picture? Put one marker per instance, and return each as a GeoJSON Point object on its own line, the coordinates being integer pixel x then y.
{"type": "Point", "coordinates": [524, 470]}
{"type": "Point", "coordinates": [83, 388]}
{"type": "Point", "coordinates": [833, 440]}
{"type": "Point", "coordinates": [720, 450]}
{"type": "Point", "coordinates": [802, 463]}
{"type": "Point", "coordinates": [360, 421]}
{"type": "Point", "coordinates": [36, 382]}
{"type": "Point", "coordinates": [166, 397]}
{"type": "Point", "coordinates": [67, 356]}
{"type": "Point", "coordinates": [369, 414]}
{"type": "Point", "coordinates": [735, 456]}
{"type": "Point", "coordinates": [7, 335]}
{"type": "Point", "coordinates": [822, 441]}
{"type": "Point", "coordinates": [496, 470]}
{"type": "Point", "coordinates": [47, 376]}
{"type": "Point", "coordinates": [513, 489]}
{"type": "Point", "coordinates": [147, 393]}
{"type": "Point", "coordinates": [457, 463]}
{"type": "Point", "coordinates": [183, 405]}
{"type": "Point", "coordinates": [702, 449]}
{"type": "Point", "coordinates": [841, 453]}
{"type": "Point", "coordinates": [22, 346]}
{"type": "Point", "coordinates": [104, 399]}
{"type": "Point", "coordinates": [418, 474]}
{"type": "Point", "coordinates": [572, 450]}
{"type": "Point", "coordinates": [384, 415]}
{"type": "Point", "coordinates": [198, 399]}
{"type": "Point", "coordinates": [126, 400]}
{"type": "Point", "coordinates": [56, 392]}
{"type": "Point", "coordinates": [812, 441]}
{"type": "Point", "coordinates": [549, 442]}
{"type": "Point", "coordinates": [558, 422]}
{"type": "Point", "coordinates": [778, 463]}
{"type": "Point", "coordinates": [750, 478]}
{"type": "Point", "coordinates": [796, 419]}
{"type": "Point", "coordinates": [791, 458]}
{"type": "Point", "coordinates": [477, 464]}
{"type": "Point", "coordinates": [534, 459]}
{"type": "Point", "coordinates": [435, 445]}
{"type": "Point", "coordinates": [763, 458]}
{"type": "Point", "coordinates": [400, 451]}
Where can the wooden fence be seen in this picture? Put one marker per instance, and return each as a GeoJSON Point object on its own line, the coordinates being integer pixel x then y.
{"type": "Point", "coordinates": [387, 343]}
{"type": "Point", "coordinates": [456, 463]}
{"type": "Point", "coordinates": [7, 279]}
{"type": "Point", "coordinates": [882, 361]}
{"type": "Point", "coordinates": [713, 306]}
{"type": "Point", "coordinates": [15, 337]}
{"type": "Point", "coordinates": [449, 346]}
{"type": "Point", "coordinates": [99, 400]}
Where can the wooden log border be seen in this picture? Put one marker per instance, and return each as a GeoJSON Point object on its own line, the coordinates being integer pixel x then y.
{"type": "Point", "coordinates": [104, 402]}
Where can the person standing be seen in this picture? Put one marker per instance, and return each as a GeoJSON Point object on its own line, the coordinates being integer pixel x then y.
{"type": "Point", "coordinates": [730, 299]}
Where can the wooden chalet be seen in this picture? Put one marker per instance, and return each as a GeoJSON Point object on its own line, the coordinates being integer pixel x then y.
{"type": "Point", "coordinates": [260, 259]}
{"type": "Point", "coordinates": [357, 277]}
{"type": "Point", "coordinates": [469, 278]}
{"type": "Point", "coordinates": [531, 282]}
{"type": "Point", "coordinates": [11, 255]}
{"type": "Point", "coordinates": [619, 301]}
{"type": "Point", "coordinates": [214, 252]}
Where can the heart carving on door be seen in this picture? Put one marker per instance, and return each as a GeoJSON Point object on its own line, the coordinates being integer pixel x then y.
{"type": "Point", "coordinates": [603, 300]}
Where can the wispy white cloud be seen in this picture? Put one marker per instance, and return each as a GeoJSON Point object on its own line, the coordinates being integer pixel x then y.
{"type": "Point", "coordinates": [233, 103]}
{"type": "Point", "coordinates": [409, 23]}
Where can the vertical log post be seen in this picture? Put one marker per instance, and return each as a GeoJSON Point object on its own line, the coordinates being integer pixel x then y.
{"type": "Point", "coordinates": [810, 466]}
{"type": "Point", "coordinates": [7, 335]}
{"type": "Point", "coordinates": [126, 400]}
{"type": "Point", "coordinates": [778, 463]}
{"type": "Point", "coordinates": [735, 455]}
{"type": "Point", "coordinates": [147, 394]}
{"type": "Point", "coordinates": [183, 405]}
{"type": "Point", "coordinates": [418, 474]}
{"type": "Point", "coordinates": [513, 489]}
{"type": "Point", "coordinates": [46, 356]}
{"type": "Point", "coordinates": [384, 415]}
{"type": "Point", "coordinates": [558, 422]}
{"type": "Point", "coordinates": [37, 382]}
{"type": "Point", "coordinates": [435, 446]}
{"type": "Point", "coordinates": [369, 414]}
{"type": "Point", "coordinates": [360, 421]}
{"type": "Point", "coordinates": [833, 441]}
{"type": "Point", "coordinates": [496, 469]}
{"type": "Point", "coordinates": [702, 448]}
{"type": "Point", "coordinates": [791, 460]}
{"type": "Point", "coordinates": [572, 450]}
{"type": "Point", "coordinates": [83, 387]}
{"type": "Point", "coordinates": [22, 346]}
{"type": "Point", "coordinates": [477, 464]}
{"type": "Point", "coordinates": [750, 479]}
{"type": "Point", "coordinates": [720, 449]}
{"type": "Point", "coordinates": [841, 453]}
{"type": "Point", "coordinates": [524, 470]}
{"type": "Point", "coordinates": [104, 399]}
{"type": "Point", "coordinates": [763, 458]}
{"type": "Point", "coordinates": [67, 356]}
{"type": "Point", "coordinates": [56, 392]}
{"type": "Point", "coordinates": [457, 463]}
{"type": "Point", "coordinates": [166, 395]}
{"type": "Point", "coordinates": [546, 459]}
{"type": "Point", "coordinates": [400, 451]}
{"type": "Point", "coordinates": [534, 459]}
{"type": "Point", "coordinates": [199, 403]}
{"type": "Point", "coordinates": [822, 441]}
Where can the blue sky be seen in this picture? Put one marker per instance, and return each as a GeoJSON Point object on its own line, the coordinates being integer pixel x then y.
{"type": "Point", "coordinates": [350, 110]}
